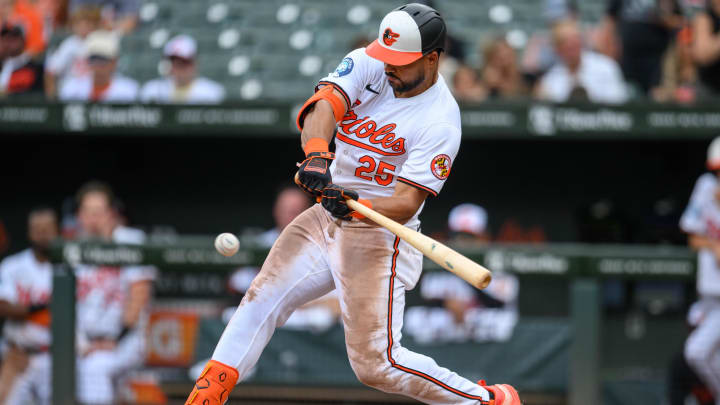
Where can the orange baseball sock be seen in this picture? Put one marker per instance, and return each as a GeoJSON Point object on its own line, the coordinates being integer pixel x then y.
{"type": "Point", "coordinates": [214, 385]}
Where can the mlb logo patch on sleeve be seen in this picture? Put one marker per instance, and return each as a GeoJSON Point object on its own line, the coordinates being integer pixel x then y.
{"type": "Point", "coordinates": [345, 67]}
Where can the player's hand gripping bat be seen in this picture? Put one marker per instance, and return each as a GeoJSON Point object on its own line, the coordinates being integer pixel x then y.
{"type": "Point", "coordinates": [449, 259]}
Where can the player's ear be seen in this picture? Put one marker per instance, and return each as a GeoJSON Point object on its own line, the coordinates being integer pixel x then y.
{"type": "Point", "coordinates": [433, 57]}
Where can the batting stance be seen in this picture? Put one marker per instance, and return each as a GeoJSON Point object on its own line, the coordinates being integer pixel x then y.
{"type": "Point", "coordinates": [701, 220]}
{"type": "Point", "coordinates": [398, 131]}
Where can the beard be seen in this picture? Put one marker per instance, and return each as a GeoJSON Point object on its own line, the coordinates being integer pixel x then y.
{"type": "Point", "coordinates": [403, 87]}
{"type": "Point", "coordinates": [41, 248]}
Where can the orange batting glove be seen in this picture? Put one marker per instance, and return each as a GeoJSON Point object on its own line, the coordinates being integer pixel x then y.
{"type": "Point", "coordinates": [214, 385]}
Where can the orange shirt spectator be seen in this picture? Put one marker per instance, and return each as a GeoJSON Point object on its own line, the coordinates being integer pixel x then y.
{"type": "Point", "coordinates": [22, 12]}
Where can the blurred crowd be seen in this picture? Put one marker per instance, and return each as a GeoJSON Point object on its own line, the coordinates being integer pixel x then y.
{"type": "Point", "coordinates": [660, 50]}
{"type": "Point", "coordinates": [83, 67]}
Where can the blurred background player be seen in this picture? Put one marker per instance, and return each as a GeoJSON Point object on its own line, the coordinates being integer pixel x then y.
{"type": "Point", "coordinates": [183, 86]}
{"type": "Point", "coordinates": [112, 302]}
{"type": "Point", "coordinates": [454, 311]}
{"type": "Point", "coordinates": [25, 290]}
{"type": "Point", "coordinates": [103, 84]}
{"type": "Point", "coordinates": [701, 220]}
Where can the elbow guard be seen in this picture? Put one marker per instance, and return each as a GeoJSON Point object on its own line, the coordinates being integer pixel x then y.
{"type": "Point", "coordinates": [325, 93]}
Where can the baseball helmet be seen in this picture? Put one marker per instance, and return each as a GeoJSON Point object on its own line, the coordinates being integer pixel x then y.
{"type": "Point", "coordinates": [407, 33]}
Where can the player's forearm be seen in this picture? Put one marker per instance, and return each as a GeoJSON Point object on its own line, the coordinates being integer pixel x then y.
{"type": "Point", "coordinates": [138, 299]}
{"type": "Point", "coordinates": [396, 208]}
{"type": "Point", "coordinates": [319, 123]}
{"type": "Point", "coordinates": [13, 311]}
{"type": "Point", "coordinates": [698, 242]}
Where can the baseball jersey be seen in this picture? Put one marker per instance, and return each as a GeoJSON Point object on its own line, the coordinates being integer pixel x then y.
{"type": "Point", "coordinates": [69, 59]}
{"type": "Point", "coordinates": [200, 91]}
{"type": "Point", "coordinates": [102, 290]}
{"type": "Point", "coordinates": [25, 281]}
{"type": "Point", "coordinates": [383, 139]}
{"type": "Point", "coordinates": [121, 90]}
{"type": "Point", "coordinates": [702, 217]}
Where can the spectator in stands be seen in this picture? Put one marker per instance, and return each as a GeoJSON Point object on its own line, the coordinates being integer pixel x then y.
{"type": "Point", "coordinates": [680, 74]}
{"type": "Point", "coordinates": [706, 46]}
{"type": "Point", "coordinates": [19, 73]}
{"type": "Point", "coordinates": [183, 85]}
{"type": "Point", "coordinates": [69, 59]}
{"type": "Point", "coordinates": [466, 84]}
{"type": "Point", "coordinates": [500, 74]}
{"type": "Point", "coordinates": [25, 14]}
{"type": "Point", "coordinates": [580, 74]}
{"type": "Point", "coordinates": [103, 84]}
{"type": "Point", "coordinates": [539, 56]}
{"type": "Point", "coordinates": [112, 302]}
{"type": "Point", "coordinates": [25, 290]}
{"type": "Point", "coordinates": [120, 16]}
{"type": "Point", "coordinates": [645, 29]}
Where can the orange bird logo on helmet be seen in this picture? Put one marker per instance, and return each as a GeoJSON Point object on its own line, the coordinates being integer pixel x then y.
{"type": "Point", "coordinates": [389, 37]}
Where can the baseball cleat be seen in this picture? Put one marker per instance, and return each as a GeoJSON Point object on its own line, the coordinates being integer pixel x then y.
{"type": "Point", "coordinates": [504, 394]}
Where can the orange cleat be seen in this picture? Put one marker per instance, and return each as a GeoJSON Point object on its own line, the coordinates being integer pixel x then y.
{"type": "Point", "coordinates": [214, 385]}
{"type": "Point", "coordinates": [503, 394]}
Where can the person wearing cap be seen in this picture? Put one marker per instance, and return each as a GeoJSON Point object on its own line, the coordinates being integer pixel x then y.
{"type": "Point", "coordinates": [183, 85]}
{"type": "Point", "coordinates": [701, 221]}
{"type": "Point", "coordinates": [103, 84]}
{"type": "Point", "coordinates": [19, 73]}
{"type": "Point", "coordinates": [397, 130]}
{"type": "Point", "coordinates": [25, 13]}
{"type": "Point", "coordinates": [468, 222]}
{"type": "Point", "coordinates": [69, 59]}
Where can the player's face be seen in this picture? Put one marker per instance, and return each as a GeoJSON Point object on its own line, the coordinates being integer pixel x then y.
{"type": "Point", "coordinates": [183, 70]}
{"type": "Point", "coordinates": [42, 230]}
{"type": "Point", "coordinates": [409, 78]}
{"type": "Point", "coordinates": [289, 204]}
{"type": "Point", "coordinates": [96, 216]}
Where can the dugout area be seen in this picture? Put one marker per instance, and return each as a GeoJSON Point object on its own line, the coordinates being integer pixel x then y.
{"type": "Point", "coordinates": [531, 180]}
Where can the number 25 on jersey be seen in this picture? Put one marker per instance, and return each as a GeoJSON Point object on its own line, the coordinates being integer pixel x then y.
{"type": "Point", "coordinates": [371, 170]}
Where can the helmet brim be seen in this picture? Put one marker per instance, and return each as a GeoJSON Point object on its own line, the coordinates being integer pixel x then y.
{"type": "Point", "coordinates": [390, 56]}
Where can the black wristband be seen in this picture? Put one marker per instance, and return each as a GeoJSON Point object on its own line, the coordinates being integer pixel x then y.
{"type": "Point", "coordinates": [36, 308]}
{"type": "Point", "coordinates": [124, 332]}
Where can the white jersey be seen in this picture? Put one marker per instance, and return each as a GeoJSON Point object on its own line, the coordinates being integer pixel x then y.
{"type": "Point", "coordinates": [200, 91]}
{"type": "Point", "coordinates": [25, 281]}
{"type": "Point", "coordinates": [702, 217]}
{"type": "Point", "coordinates": [102, 291]}
{"type": "Point", "coordinates": [121, 90]}
{"type": "Point", "coordinates": [384, 139]}
{"type": "Point", "coordinates": [69, 59]}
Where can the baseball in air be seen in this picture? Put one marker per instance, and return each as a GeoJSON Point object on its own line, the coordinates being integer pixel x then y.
{"type": "Point", "coordinates": [227, 244]}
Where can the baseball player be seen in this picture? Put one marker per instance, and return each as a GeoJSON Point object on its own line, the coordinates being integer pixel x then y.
{"type": "Point", "coordinates": [112, 302]}
{"type": "Point", "coordinates": [398, 131]}
{"type": "Point", "coordinates": [25, 290]}
{"type": "Point", "coordinates": [701, 220]}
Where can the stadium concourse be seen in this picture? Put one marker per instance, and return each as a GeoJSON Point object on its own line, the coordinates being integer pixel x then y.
{"type": "Point", "coordinates": [132, 132]}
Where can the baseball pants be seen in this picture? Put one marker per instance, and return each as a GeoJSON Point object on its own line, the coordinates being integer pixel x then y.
{"type": "Point", "coordinates": [702, 348]}
{"type": "Point", "coordinates": [371, 269]}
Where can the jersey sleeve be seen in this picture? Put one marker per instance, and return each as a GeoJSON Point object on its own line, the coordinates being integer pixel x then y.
{"type": "Point", "coordinates": [430, 158]}
{"type": "Point", "coordinates": [7, 282]}
{"type": "Point", "coordinates": [352, 75]}
{"type": "Point", "coordinates": [692, 218]}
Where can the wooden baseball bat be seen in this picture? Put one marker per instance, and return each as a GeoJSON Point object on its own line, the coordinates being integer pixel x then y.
{"type": "Point", "coordinates": [447, 258]}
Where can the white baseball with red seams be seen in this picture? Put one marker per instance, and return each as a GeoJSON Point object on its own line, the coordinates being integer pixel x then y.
{"type": "Point", "coordinates": [227, 244]}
